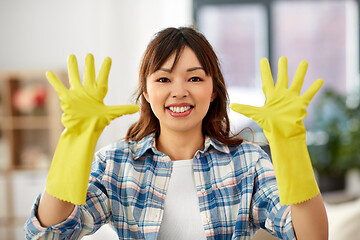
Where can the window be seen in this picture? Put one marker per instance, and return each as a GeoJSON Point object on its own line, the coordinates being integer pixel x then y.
{"type": "Point", "coordinates": [325, 33]}
{"type": "Point", "coordinates": [325, 36]}
{"type": "Point", "coordinates": [238, 35]}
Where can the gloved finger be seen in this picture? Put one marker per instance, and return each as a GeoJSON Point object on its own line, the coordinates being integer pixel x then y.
{"type": "Point", "coordinates": [56, 83]}
{"type": "Point", "coordinates": [246, 110]}
{"type": "Point", "coordinates": [266, 76]}
{"type": "Point", "coordinates": [299, 77]}
{"type": "Point", "coordinates": [283, 79]}
{"type": "Point", "coordinates": [74, 77]}
{"type": "Point", "coordinates": [89, 71]}
{"type": "Point", "coordinates": [118, 111]}
{"type": "Point", "coordinates": [102, 80]}
{"type": "Point", "coordinates": [313, 89]}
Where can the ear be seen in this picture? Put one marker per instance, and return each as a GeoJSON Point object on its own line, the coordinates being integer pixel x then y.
{"type": "Point", "coordinates": [213, 96]}
{"type": "Point", "coordinates": [146, 96]}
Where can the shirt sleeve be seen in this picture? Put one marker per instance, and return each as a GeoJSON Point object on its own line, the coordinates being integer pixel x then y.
{"type": "Point", "coordinates": [266, 211]}
{"type": "Point", "coordinates": [84, 219]}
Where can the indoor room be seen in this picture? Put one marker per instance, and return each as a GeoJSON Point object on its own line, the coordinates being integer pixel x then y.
{"type": "Point", "coordinates": [38, 36]}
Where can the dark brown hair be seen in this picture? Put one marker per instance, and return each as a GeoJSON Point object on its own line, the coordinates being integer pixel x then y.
{"type": "Point", "coordinates": [165, 43]}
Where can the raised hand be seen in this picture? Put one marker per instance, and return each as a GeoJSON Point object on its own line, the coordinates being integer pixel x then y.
{"type": "Point", "coordinates": [83, 105]}
{"type": "Point", "coordinates": [85, 116]}
{"type": "Point", "coordinates": [284, 107]}
{"type": "Point", "coordinates": [281, 119]}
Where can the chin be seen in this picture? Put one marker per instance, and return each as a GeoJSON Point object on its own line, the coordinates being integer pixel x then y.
{"type": "Point", "coordinates": [182, 128]}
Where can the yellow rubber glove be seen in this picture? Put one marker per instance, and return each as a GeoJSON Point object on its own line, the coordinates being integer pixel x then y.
{"type": "Point", "coordinates": [84, 118]}
{"type": "Point", "coordinates": [281, 120]}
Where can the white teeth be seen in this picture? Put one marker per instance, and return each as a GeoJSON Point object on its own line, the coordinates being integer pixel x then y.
{"type": "Point", "coordinates": [179, 109]}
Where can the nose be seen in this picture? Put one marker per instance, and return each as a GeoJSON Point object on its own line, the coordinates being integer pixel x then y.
{"type": "Point", "coordinates": [179, 89]}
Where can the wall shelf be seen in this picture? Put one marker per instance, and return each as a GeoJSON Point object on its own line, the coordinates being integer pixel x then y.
{"type": "Point", "coordinates": [30, 126]}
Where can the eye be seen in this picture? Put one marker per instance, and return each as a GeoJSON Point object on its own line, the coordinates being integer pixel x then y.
{"type": "Point", "coordinates": [163, 80]}
{"type": "Point", "coordinates": [195, 79]}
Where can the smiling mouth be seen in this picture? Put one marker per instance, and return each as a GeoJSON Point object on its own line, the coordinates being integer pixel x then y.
{"type": "Point", "coordinates": [180, 109]}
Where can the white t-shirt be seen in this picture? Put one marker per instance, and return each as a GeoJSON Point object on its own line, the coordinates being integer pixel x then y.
{"type": "Point", "coordinates": [181, 219]}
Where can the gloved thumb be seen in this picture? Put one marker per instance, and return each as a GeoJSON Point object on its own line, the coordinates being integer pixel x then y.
{"type": "Point", "coordinates": [246, 110]}
{"type": "Point", "coordinates": [120, 110]}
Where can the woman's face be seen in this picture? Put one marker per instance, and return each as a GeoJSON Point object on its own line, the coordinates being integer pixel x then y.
{"type": "Point", "coordinates": [180, 98]}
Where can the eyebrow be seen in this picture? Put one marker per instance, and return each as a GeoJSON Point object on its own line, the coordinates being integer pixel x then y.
{"type": "Point", "coordinates": [188, 70]}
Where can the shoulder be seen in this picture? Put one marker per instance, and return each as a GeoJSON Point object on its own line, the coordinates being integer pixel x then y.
{"type": "Point", "coordinates": [116, 149]}
{"type": "Point", "coordinates": [247, 149]}
{"type": "Point", "coordinates": [112, 158]}
{"type": "Point", "coordinates": [248, 154]}
{"type": "Point", "coordinates": [124, 150]}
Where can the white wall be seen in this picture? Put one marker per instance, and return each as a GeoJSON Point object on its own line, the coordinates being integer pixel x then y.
{"type": "Point", "coordinates": [40, 34]}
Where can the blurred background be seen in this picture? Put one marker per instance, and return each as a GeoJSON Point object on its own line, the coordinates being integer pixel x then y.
{"type": "Point", "coordinates": [38, 35]}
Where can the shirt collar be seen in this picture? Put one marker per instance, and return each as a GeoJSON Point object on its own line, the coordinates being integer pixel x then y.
{"type": "Point", "coordinates": [148, 142]}
{"type": "Point", "coordinates": [142, 146]}
{"type": "Point", "coordinates": [221, 147]}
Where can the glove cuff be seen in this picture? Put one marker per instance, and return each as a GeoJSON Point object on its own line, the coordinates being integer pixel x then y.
{"type": "Point", "coordinates": [293, 170]}
{"type": "Point", "coordinates": [69, 172]}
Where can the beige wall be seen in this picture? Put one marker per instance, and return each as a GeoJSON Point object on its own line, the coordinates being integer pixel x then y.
{"type": "Point", "coordinates": [41, 34]}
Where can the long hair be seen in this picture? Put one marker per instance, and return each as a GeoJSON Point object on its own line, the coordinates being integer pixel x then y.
{"type": "Point", "coordinates": [172, 41]}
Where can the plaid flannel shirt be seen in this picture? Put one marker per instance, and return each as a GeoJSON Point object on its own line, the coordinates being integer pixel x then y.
{"type": "Point", "coordinates": [235, 185]}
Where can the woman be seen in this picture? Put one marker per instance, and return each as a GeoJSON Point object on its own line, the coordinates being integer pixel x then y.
{"type": "Point", "coordinates": [179, 174]}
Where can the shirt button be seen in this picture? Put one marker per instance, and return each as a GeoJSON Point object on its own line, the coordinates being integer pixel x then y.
{"type": "Point", "coordinates": [206, 220]}
{"type": "Point", "coordinates": [202, 190]}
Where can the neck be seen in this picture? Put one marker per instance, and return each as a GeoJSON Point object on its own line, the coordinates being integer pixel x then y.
{"type": "Point", "coordinates": [180, 145]}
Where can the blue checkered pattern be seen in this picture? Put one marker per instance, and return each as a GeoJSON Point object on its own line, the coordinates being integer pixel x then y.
{"type": "Point", "coordinates": [236, 188]}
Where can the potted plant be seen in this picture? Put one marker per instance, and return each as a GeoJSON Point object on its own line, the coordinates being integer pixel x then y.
{"type": "Point", "coordinates": [336, 118]}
